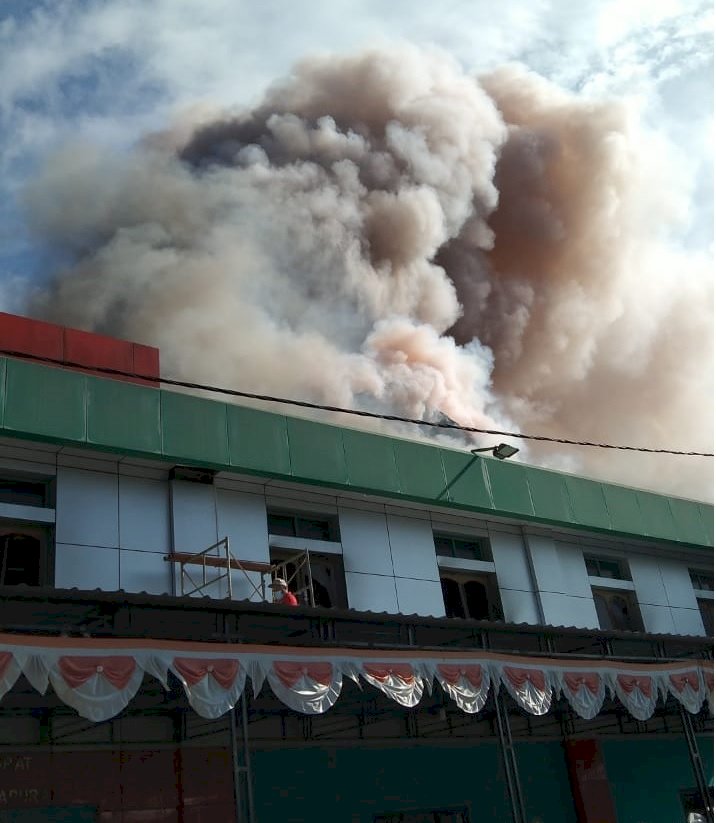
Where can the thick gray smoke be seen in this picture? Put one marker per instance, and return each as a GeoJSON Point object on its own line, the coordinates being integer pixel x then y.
{"type": "Point", "coordinates": [387, 232]}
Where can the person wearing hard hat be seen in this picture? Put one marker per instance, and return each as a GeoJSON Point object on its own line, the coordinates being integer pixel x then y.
{"type": "Point", "coordinates": [281, 594]}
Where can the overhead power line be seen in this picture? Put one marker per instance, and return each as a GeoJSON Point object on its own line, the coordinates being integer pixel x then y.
{"type": "Point", "coordinates": [305, 404]}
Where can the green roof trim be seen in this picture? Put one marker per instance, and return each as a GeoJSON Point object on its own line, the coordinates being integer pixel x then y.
{"type": "Point", "coordinates": [55, 405]}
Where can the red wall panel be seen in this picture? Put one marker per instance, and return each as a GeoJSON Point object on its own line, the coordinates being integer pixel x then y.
{"type": "Point", "coordinates": [89, 350]}
{"type": "Point", "coordinates": [28, 336]}
{"type": "Point", "coordinates": [146, 363]}
{"type": "Point", "coordinates": [590, 785]}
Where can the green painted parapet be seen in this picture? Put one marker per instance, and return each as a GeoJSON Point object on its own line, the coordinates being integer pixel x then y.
{"type": "Point", "coordinates": [46, 403]}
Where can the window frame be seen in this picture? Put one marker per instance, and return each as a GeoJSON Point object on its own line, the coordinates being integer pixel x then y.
{"type": "Point", "coordinates": [333, 563]}
{"type": "Point", "coordinates": [484, 554]}
{"type": "Point", "coordinates": [704, 597]}
{"type": "Point", "coordinates": [706, 604]}
{"type": "Point", "coordinates": [700, 574]}
{"type": "Point", "coordinates": [634, 615]}
{"type": "Point", "coordinates": [486, 579]}
{"type": "Point", "coordinates": [44, 533]}
{"type": "Point", "coordinates": [601, 561]}
{"type": "Point", "coordinates": [331, 521]}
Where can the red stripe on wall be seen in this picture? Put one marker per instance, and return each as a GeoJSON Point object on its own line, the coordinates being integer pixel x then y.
{"type": "Point", "coordinates": [590, 787]}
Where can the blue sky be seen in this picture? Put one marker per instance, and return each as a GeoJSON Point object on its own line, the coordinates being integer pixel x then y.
{"type": "Point", "coordinates": [108, 71]}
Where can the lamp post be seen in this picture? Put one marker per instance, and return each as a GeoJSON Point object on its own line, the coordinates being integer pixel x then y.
{"type": "Point", "coordinates": [501, 451]}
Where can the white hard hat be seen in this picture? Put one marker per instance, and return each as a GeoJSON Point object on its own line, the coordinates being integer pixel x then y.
{"type": "Point", "coordinates": [279, 583]}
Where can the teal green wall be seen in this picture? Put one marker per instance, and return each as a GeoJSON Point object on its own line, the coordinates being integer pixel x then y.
{"type": "Point", "coordinates": [355, 784]}
{"type": "Point", "coordinates": [45, 403]}
{"type": "Point", "coordinates": [544, 779]}
{"type": "Point", "coordinates": [646, 777]}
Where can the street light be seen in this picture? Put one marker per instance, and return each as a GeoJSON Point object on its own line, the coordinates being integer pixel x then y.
{"type": "Point", "coordinates": [501, 451]}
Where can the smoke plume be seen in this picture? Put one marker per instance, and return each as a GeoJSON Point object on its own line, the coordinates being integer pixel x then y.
{"type": "Point", "coordinates": [384, 231]}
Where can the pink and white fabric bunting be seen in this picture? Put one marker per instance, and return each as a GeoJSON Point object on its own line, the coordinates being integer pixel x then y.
{"type": "Point", "coordinates": [688, 688]}
{"type": "Point", "coordinates": [638, 693]}
{"type": "Point", "coordinates": [213, 686]}
{"type": "Point", "coordinates": [306, 687]}
{"type": "Point", "coordinates": [467, 684]}
{"type": "Point", "coordinates": [99, 677]}
{"type": "Point", "coordinates": [97, 687]}
{"type": "Point", "coordinates": [10, 670]}
{"type": "Point", "coordinates": [709, 683]}
{"type": "Point", "coordinates": [584, 692]}
{"type": "Point", "coordinates": [397, 680]}
{"type": "Point", "coordinates": [531, 688]}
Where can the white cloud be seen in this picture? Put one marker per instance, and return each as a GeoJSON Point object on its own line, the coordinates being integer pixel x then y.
{"type": "Point", "coordinates": [110, 70]}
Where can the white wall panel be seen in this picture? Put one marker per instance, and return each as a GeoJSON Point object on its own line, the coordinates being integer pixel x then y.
{"type": "Point", "coordinates": [413, 548]}
{"type": "Point", "coordinates": [144, 514]}
{"type": "Point", "coordinates": [688, 621]}
{"type": "Point", "coordinates": [564, 610]}
{"type": "Point", "coordinates": [519, 606]}
{"type": "Point", "coordinates": [371, 592]}
{"type": "Point", "coordinates": [657, 619]}
{"type": "Point", "coordinates": [510, 559]}
{"type": "Point", "coordinates": [242, 518]}
{"type": "Point", "coordinates": [364, 536]}
{"type": "Point", "coordinates": [575, 580]}
{"type": "Point", "coordinates": [558, 567]}
{"type": "Point", "coordinates": [648, 581]}
{"type": "Point", "coordinates": [677, 584]}
{"type": "Point", "coordinates": [144, 572]}
{"type": "Point", "coordinates": [193, 508]}
{"type": "Point", "coordinates": [423, 597]}
{"type": "Point", "coordinates": [87, 508]}
{"type": "Point", "coordinates": [33, 514]}
{"type": "Point", "coordinates": [298, 544]}
{"type": "Point", "coordinates": [86, 567]}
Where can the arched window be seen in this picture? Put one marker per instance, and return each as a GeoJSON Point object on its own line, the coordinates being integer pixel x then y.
{"type": "Point", "coordinates": [478, 603]}
{"type": "Point", "coordinates": [474, 597]}
{"type": "Point", "coordinates": [327, 576]}
{"type": "Point", "coordinates": [452, 597]}
{"type": "Point", "coordinates": [20, 559]}
{"type": "Point", "coordinates": [616, 610]}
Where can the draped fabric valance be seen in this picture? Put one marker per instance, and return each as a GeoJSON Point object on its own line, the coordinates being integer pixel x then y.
{"type": "Point", "coordinates": [99, 677]}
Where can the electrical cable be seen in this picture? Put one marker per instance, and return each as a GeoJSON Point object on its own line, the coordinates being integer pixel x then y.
{"type": "Point", "coordinates": [305, 404]}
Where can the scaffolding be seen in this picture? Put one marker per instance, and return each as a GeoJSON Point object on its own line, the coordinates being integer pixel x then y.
{"type": "Point", "coordinates": [217, 562]}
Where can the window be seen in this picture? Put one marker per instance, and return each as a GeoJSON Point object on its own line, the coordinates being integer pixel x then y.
{"type": "Point", "coordinates": [24, 555]}
{"type": "Point", "coordinates": [617, 610]}
{"type": "Point", "coordinates": [465, 548]}
{"type": "Point", "coordinates": [607, 567]}
{"type": "Point", "coordinates": [693, 805]}
{"type": "Point", "coordinates": [706, 607]}
{"type": "Point", "coordinates": [702, 581]}
{"type": "Point", "coordinates": [614, 599]}
{"type": "Point", "coordinates": [306, 526]}
{"type": "Point", "coordinates": [24, 491]}
{"type": "Point", "coordinates": [473, 596]}
{"type": "Point", "coordinates": [327, 576]}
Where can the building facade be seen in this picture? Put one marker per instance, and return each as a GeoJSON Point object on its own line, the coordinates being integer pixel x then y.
{"type": "Point", "coordinates": [490, 583]}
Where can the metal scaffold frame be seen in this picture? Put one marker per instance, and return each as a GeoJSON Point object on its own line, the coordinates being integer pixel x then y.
{"type": "Point", "coordinates": [219, 559]}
